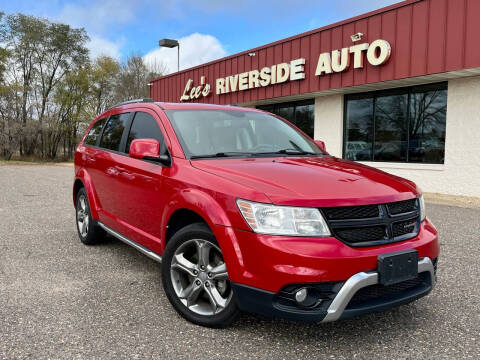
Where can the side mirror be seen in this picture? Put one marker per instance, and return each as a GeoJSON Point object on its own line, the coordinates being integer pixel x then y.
{"type": "Point", "coordinates": [147, 149]}
{"type": "Point", "coordinates": [321, 145]}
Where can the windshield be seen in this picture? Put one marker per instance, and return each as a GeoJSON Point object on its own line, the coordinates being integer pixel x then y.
{"type": "Point", "coordinates": [225, 133]}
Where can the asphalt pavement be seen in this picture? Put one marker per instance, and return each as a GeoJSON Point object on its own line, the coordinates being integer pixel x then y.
{"type": "Point", "coordinates": [61, 299]}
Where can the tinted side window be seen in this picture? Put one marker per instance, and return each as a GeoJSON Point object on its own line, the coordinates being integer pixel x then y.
{"type": "Point", "coordinates": [94, 133]}
{"type": "Point", "coordinates": [112, 135]}
{"type": "Point", "coordinates": [145, 127]}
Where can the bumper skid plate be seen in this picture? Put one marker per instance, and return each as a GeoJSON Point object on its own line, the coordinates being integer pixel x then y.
{"type": "Point", "coordinates": [264, 302]}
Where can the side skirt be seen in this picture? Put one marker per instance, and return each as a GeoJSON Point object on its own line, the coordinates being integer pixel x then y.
{"type": "Point", "coordinates": [132, 243]}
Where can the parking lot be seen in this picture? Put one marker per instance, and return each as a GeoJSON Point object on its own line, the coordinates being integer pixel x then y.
{"type": "Point", "coordinates": [61, 299]}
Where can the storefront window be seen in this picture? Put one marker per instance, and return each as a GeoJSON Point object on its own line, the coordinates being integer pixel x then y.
{"type": "Point", "coordinates": [300, 113]}
{"type": "Point", "coordinates": [391, 128]}
{"type": "Point", "coordinates": [359, 122]}
{"type": "Point", "coordinates": [428, 117]}
{"type": "Point", "coordinates": [401, 125]}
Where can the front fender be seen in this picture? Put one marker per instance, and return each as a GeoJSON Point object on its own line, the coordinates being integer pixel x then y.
{"type": "Point", "coordinates": [199, 202]}
{"type": "Point", "coordinates": [93, 201]}
{"type": "Point", "coordinates": [216, 218]}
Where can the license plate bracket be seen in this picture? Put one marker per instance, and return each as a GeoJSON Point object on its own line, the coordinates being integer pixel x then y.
{"type": "Point", "coordinates": [397, 267]}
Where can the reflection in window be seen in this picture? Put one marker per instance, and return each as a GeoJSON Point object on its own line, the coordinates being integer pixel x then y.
{"type": "Point", "coordinates": [427, 126]}
{"type": "Point", "coordinates": [300, 113]}
{"type": "Point", "coordinates": [402, 125]}
{"type": "Point", "coordinates": [391, 128]}
{"type": "Point", "coordinates": [207, 132]}
{"type": "Point", "coordinates": [112, 134]}
{"type": "Point", "coordinates": [359, 129]}
{"type": "Point", "coordinates": [95, 131]}
{"type": "Point", "coordinates": [144, 126]}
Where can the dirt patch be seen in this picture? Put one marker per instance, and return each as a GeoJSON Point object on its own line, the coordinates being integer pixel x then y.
{"type": "Point", "coordinates": [453, 200]}
{"type": "Point", "coordinates": [21, 162]}
{"type": "Point", "coordinates": [68, 164]}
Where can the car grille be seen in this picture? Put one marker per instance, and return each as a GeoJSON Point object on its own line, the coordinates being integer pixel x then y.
{"type": "Point", "coordinates": [351, 212]}
{"type": "Point", "coordinates": [371, 225]}
{"type": "Point", "coordinates": [404, 227]}
{"type": "Point", "coordinates": [400, 207]}
{"type": "Point", "coordinates": [367, 233]}
{"type": "Point", "coordinates": [378, 291]}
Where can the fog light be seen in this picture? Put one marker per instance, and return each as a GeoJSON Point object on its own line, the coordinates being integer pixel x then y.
{"type": "Point", "coordinates": [301, 295]}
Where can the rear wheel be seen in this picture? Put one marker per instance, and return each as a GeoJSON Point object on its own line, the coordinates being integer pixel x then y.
{"type": "Point", "coordinates": [88, 232]}
{"type": "Point", "coordinates": [195, 278]}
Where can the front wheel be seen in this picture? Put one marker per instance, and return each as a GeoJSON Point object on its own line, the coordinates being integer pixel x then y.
{"type": "Point", "coordinates": [195, 278]}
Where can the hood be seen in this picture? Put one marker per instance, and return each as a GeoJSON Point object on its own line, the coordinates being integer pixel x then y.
{"type": "Point", "coordinates": [312, 181]}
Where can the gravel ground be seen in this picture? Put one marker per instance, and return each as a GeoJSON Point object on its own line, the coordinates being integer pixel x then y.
{"type": "Point", "coordinates": [61, 299]}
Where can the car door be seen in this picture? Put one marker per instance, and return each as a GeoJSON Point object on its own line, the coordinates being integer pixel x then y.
{"type": "Point", "coordinates": [90, 145]}
{"type": "Point", "coordinates": [104, 170]}
{"type": "Point", "coordinates": [138, 187]}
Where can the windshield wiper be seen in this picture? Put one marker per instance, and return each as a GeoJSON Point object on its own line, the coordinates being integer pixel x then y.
{"type": "Point", "coordinates": [295, 152]}
{"type": "Point", "coordinates": [221, 154]}
{"type": "Point", "coordinates": [253, 154]}
{"type": "Point", "coordinates": [289, 152]}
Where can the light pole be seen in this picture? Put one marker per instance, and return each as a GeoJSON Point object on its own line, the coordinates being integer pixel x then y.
{"type": "Point", "coordinates": [169, 43]}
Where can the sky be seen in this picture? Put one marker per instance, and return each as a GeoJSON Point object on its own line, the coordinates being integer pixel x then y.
{"type": "Point", "coordinates": [206, 29]}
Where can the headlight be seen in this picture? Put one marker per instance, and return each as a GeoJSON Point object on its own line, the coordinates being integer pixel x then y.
{"type": "Point", "coordinates": [283, 220]}
{"type": "Point", "coordinates": [422, 207]}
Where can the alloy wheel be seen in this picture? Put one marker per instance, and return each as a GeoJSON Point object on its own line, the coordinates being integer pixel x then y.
{"type": "Point", "coordinates": [199, 277]}
{"type": "Point", "coordinates": [83, 218]}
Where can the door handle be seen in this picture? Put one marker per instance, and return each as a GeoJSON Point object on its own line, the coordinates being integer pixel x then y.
{"type": "Point", "coordinates": [119, 168]}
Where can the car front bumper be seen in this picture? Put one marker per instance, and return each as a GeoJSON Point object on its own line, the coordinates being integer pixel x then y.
{"type": "Point", "coordinates": [336, 300]}
{"type": "Point", "coordinates": [265, 271]}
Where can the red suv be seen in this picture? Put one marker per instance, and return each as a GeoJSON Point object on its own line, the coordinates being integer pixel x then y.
{"type": "Point", "coordinates": [246, 212]}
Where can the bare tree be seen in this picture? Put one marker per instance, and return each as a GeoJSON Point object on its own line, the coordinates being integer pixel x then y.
{"type": "Point", "coordinates": [134, 78]}
{"type": "Point", "coordinates": [50, 90]}
{"type": "Point", "coordinates": [20, 34]}
{"type": "Point", "coordinates": [41, 53]}
{"type": "Point", "coordinates": [61, 49]}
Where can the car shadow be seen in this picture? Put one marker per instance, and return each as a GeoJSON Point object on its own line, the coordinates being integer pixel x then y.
{"type": "Point", "coordinates": [370, 330]}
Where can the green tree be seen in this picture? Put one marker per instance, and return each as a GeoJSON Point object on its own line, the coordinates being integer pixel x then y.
{"type": "Point", "coordinates": [103, 81]}
{"type": "Point", "coordinates": [61, 49]}
{"type": "Point", "coordinates": [71, 98]}
{"type": "Point", "coordinates": [4, 53]}
{"type": "Point", "coordinates": [50, 90]}
{"type": "Point", "coordinates": [40, 54]}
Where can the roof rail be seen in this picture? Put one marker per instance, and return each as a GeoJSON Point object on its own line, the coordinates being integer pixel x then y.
{"type": "Point", "coordinates": [144, 100]}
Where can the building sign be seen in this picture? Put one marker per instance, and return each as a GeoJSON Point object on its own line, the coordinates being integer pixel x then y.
{"type": "Point", "coordinates": [275, 74]}
{"type": "Point", "coordinates": [377, 53]}
{"type": "Point", "coordinates": [194, 92]}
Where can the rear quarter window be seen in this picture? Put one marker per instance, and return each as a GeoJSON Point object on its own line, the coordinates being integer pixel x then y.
{"type": "Point", "coordinates": [94, 133]}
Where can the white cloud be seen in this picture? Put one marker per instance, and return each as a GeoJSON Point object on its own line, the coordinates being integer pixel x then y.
{"type": "Point", "coordinates": [97, 16]}
{"type": "Point", "coordinates": [99, 46]}
{"type": "Point", "coordinates": [195, 49]}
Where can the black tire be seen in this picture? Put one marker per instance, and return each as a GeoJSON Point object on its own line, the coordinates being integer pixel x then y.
{"type": "Point", "coordinates": [216, 320]}
{"type": "Point", "coordinates": [94, 234]}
